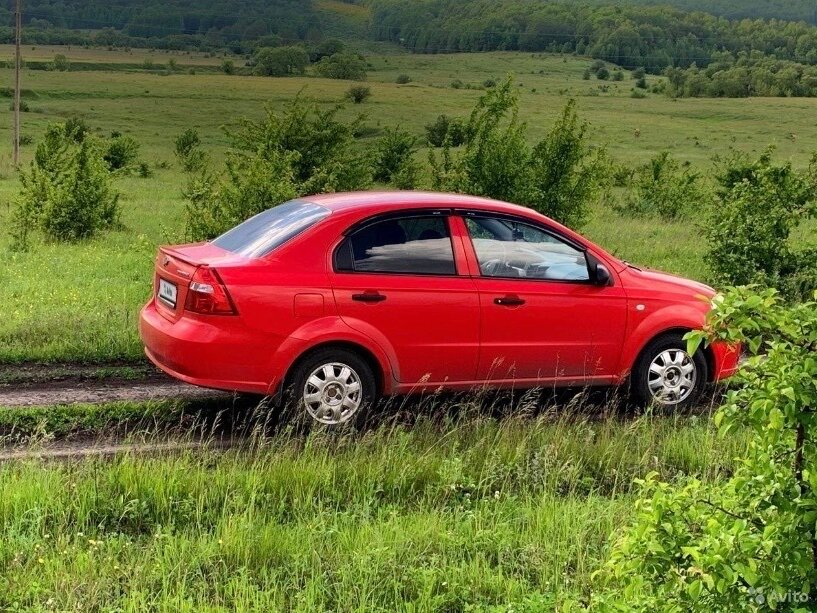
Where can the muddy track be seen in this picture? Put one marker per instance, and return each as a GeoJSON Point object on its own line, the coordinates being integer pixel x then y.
{"type": "Point", "coordinates": [33, 385]}
{"type": "Point", "coordinates": [81, 449]}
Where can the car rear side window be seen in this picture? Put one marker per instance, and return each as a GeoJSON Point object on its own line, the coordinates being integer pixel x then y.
{"type": "Point", "coordinates": [270, 229]}
{"type": "Point", "coordinates": [402, 245]}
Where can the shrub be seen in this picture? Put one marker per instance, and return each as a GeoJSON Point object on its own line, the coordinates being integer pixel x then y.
{"type": "Point", "coordinates": [349, 66]}
{"type": "Point", "coordinates": [393, 153]}
{"type": "Point", "coordinates": [143, 170]}
{"type": "Point", "coordinates": [638, 94]}
{"type": "Point", "coordinates": [618, 75]}
{"type": "Point", "coordinates": [641, 83]}
{"type": "Point", "coordinates": [457, 84]}
{"type": "Point", "coordinates": [358, 93]}
{"type": "Point", "coordinates": [603, 73]}
{"type": "Point", "coordinates": [280, 61]}
{"type": "Point", "coordinates": [759, 205]}
{"type": "Point", "coordinates": [664, 188]}
{"type": "Point", "coordinates": [638, 73]}
{"type": "Point", "coordinates": [326, 49]}
{"type": "Point", "coordinates": [76, 129]}
{"type": "Point", "coordinates": [565, 173]}
{"type": "Point", "coordinates": [66, 192]}
{"type": "Point", "coordinates": [558, 177]}
{"type": "Point", "coordinates": [228, 66]}
{"type": "Point", "coordinates": [121, 152]}
{"type": "Point", "coordinates": [445, 129]}
{"type": "Point", "coordinates": [302, 150]}
{"type": "Point", "coordinates": [61, 63]}
{"type": "Point", "coordinates": [187, 147]}
{"type": "Point", "coordinates": [747, 542]}
{"type": "Point", "coordinates": [403, 79]}
{"type": "Point", "coordinates": [489, 83]}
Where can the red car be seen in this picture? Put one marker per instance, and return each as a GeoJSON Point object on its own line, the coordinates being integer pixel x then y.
{"type": "Point", "coordinates": [338, 299]}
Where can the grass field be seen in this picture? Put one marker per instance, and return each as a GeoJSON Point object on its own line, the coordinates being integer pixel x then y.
{"type": "Point", "coordinates": [454, 509]}
{"type": "Point", "coordinates": [462, 513]}
{"type": "Point", "coordinates": [79, 302]}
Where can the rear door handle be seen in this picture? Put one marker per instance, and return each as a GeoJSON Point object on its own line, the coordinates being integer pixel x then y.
{"type": "Point", "coordinates": [369, 297]}
{"type": "Point", "coordinates": [509, 300]}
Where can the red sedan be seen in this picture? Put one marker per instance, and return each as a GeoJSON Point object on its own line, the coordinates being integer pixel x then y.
{"type": "Point", "coordinates": [338, 299]}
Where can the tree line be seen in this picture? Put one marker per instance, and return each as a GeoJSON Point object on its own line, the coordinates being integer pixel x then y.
{"type": "Point", "coordinates": [653, 37]}
{"type": "Point", "coordinates": [172, 24]}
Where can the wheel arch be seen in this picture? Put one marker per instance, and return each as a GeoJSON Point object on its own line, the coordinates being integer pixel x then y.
{"type": "Point", "coordinates": [363, 352]}
{"type": "Point", "coordinates": [709, 356]}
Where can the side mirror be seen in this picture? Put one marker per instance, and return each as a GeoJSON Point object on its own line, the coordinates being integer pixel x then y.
{"type": "Point", "coordinates": [602, 277]}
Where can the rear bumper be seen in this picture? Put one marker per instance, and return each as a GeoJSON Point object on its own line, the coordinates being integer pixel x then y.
{"type": "Point", "coordinates": [727, 360]}
{"type": "Point", "coordinates": [221, 354]}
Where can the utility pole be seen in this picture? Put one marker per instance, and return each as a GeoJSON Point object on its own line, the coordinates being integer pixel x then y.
{"type": "Point", "coordinates": [17, 62]}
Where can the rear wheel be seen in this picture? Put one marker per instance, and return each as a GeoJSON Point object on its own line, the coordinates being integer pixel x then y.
{"type": "Point", "coordinates": [333, 387]}
{"type": "Point", "coordinates": [666, 376]}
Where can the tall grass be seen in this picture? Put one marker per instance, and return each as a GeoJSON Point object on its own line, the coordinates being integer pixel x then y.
{"type": "Point", "coordinates": [463, 512]}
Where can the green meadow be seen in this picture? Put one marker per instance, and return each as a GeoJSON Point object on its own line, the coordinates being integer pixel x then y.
{"type": "Point", "coordinates": [80, 302]}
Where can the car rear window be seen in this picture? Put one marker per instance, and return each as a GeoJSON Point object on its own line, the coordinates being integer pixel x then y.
{"type": "Point", "coordinates": [270, 229]}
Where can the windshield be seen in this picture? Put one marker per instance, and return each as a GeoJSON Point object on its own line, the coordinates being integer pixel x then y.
{"type": "Point", "coordinates": [270, 229]}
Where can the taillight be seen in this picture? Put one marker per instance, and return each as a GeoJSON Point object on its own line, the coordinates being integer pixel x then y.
{"type": "Point", "coordinates": [207, 294]}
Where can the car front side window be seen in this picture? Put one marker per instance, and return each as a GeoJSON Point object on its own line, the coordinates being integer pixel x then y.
{"type": "Point", "coordinates": [508, 248]}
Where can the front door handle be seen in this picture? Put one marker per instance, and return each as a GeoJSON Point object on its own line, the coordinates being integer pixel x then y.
{"type": "Point", "coordinates": [509, 300]}
{"type": "Point", "coordinates": [369, 297]}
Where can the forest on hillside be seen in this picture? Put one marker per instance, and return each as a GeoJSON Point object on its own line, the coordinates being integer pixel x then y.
{"type": "Point", "coordinates": [172, 23]}
{"type": "Point", "coordinates": [650, 37]}
{"type": "Point", "coordinates": [788, 10]}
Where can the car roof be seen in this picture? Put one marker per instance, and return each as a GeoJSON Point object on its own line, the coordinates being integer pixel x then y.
{"type": "Point", "coordinates": [396, 200]}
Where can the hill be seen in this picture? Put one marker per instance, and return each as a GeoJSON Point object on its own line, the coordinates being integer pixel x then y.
{"type": "Point", "coordinates": [787, 10]}
{"type": "Point", "coordinates": [182, 23]}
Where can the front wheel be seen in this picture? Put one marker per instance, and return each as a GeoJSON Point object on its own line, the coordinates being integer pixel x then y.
{"type": "Point", "coordinates": [334, 387]}
{"type": "Point", "coordinates": [666, 376]}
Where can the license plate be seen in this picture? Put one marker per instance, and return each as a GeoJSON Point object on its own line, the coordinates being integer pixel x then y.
{"type": "Point", "coordinates": [167, 292]}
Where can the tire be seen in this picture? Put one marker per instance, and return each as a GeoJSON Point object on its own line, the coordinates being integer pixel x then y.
{"type": "Point", "coordinates": [332, 387]}
{"type": "Point", "coordinates": [665, 376]}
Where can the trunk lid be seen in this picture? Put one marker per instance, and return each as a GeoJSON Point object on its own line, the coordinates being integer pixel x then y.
{"type": "Point", "coordinates": [174, 269]}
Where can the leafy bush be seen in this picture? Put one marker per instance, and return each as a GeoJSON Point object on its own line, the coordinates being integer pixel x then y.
{"type": "Point", "coordinates": [187, 147]}
{"type": "Point", "coordinates": [665, 188]}
{"type": "Point", "coordinates": [121, 152]}
{"type": "Point", "coordinates": [76, 129]}
{"type": "Point", "coordinates": [358, 93]}
{"type": "Point", "coordinates": [457, 84]}
{"type": "Point", "coordinates": [403, 79]}
{"type": "Point", "coordinates": [566, 174]}
{"type": "Point", "coordinates": [66, 192]}
{"type": "Point", "coordinates": [228, 66]}
{"type": "Point", "coordinates": [558, 177]}
{"type": "Point", "coordinates": [326, 48]}
{"type": "Point", "coordinates": [489, 83]}
{"type": "Point", "coordinates": [746, 543]}
{"type": "Point", "coordinates": [394, 158]}
{"type": "Point", "coordinates": [446, 128]}
{"type": "Point", "coordinates": [603, 73]}
{"type": "Point", "coordinates": [280, 61]}
{"type": "Point", "coordinates": [349, 66]}
{"type": "Point", "coordinates": [759, 205]}
{"type": "Point", "coordinates": [303, 150]}
{"type": "Point", "coordinates": [61, 63]}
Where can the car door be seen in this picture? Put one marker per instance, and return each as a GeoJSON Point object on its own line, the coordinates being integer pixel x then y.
{"type": "Point", "coordinates": [543, 319]}
{"type": "Point", "coordinates": [395, 278]}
